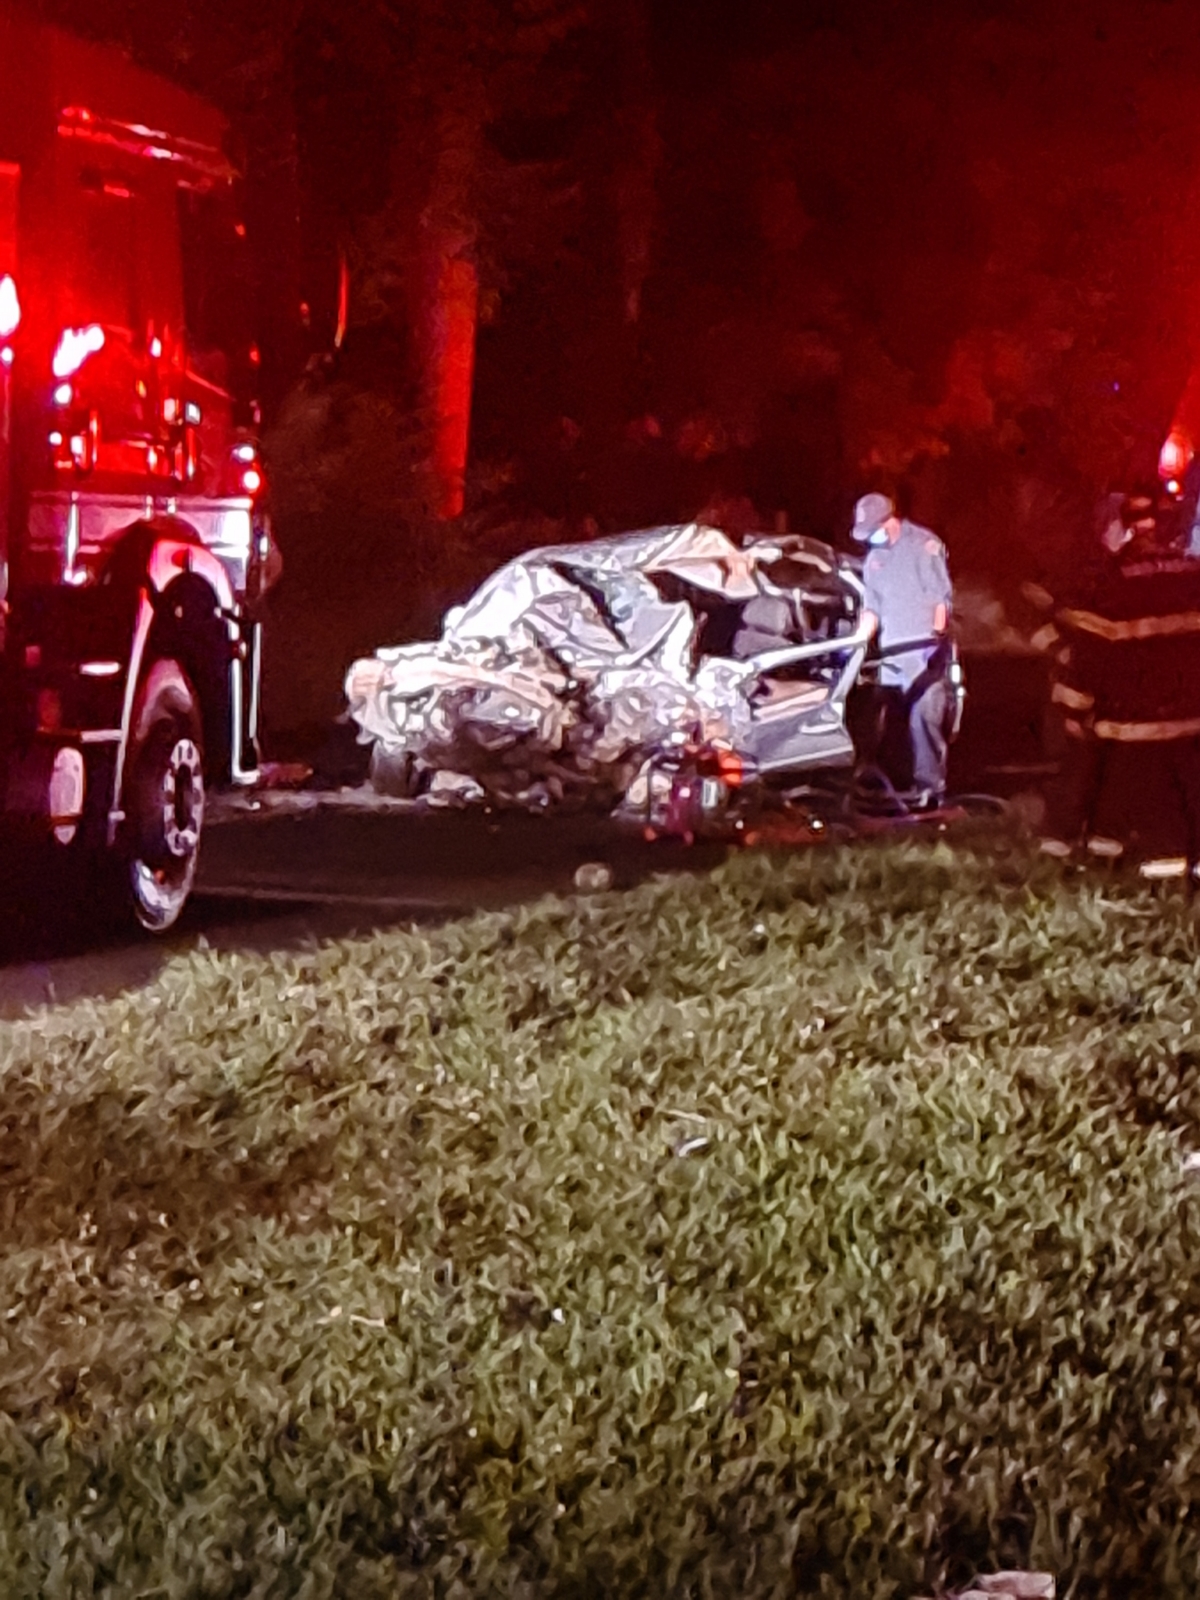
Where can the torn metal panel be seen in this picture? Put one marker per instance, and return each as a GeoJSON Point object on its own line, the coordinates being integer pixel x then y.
{"type": "Point", "coordinates": [574, 665]}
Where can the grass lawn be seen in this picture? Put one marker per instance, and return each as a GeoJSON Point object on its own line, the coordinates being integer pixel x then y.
{"type": "Point", "coordinates": [817, 1227]}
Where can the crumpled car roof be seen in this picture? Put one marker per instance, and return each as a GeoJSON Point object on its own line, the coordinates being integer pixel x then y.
{"type": "Point", "coordinates": [617, 574]}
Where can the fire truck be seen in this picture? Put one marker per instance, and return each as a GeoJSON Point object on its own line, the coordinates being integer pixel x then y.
{"type": "Point", "coordinates": [134, 543]}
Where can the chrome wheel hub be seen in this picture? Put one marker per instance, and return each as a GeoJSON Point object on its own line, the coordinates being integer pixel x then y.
{"type": "Point", "coordinates": [182, 800]}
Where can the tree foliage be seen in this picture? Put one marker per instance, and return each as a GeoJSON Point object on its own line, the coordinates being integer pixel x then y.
{"type": "Point", "coordinates": [947, 250]}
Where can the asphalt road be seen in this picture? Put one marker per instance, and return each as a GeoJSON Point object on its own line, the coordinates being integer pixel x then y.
{"type": "Point", "coordinates": [277, 883]}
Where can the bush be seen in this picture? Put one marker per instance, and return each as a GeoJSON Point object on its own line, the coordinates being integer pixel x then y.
{"type": "Point", "coordinates": [820, 1226]}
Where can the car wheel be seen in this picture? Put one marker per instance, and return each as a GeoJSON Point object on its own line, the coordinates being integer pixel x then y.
{"type": "Point", "coordinates": [163, 799]}
{"type": "Point", "coordinates": [396, 773]}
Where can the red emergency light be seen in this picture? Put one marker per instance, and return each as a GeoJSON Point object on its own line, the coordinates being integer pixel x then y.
{"type": "Point", "coordinates": [10, 307]}
{"type": "Point", "coordinates": [1175, 456]}
{"type": "Point", "coordinates": [75, 346]}
{"type": "Point", "coordinates": [249, 468]}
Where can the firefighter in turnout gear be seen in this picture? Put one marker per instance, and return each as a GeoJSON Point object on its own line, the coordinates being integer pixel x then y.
{"type": "Point", "coordinates": [1128, 691]}
{"type": "Point", "coordinates": [1069, 740]}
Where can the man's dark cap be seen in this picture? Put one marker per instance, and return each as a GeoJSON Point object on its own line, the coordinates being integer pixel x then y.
{"type": "Point", "coordinates": [870, 514]}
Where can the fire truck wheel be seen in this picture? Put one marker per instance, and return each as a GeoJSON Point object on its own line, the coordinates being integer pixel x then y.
{"type": "Point", "coordinates": [163, 798]}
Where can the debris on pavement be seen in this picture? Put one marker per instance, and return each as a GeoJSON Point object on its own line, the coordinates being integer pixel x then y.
{"type": "Point", "coordinates": [593, 877]}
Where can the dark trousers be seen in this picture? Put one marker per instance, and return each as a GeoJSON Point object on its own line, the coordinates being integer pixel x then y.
{"type": "Point", "coordinates": [906, 736]}
{"type": "Point", "coordinates": [1145, 795]}
{"type": "Point", "coordinates": [1148, 796]}
{"type": "Point", "coordinates": [1073, 792]}
{"type": "Point", "coordinates": [928, 715]}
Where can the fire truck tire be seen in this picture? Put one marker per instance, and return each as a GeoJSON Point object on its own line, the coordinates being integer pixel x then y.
{"type": "Point", "coordinates": [163, 799]}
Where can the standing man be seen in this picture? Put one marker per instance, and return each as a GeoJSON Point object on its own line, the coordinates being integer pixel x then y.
{"type": "Point", "coordinates": [907, 604]}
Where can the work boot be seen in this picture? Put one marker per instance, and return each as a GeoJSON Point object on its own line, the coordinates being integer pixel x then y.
{"type": "Point", "coordinates": [1058, 848]}
{"type": "Point", "coordinates": [924, 801]}
{"type": "Point", "coordinates": [1161, 867]}
{"type": "Point", "coordinates": [1105, 849]}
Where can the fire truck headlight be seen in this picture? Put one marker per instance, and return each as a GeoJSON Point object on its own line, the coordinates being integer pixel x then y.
{"type": "Point", "coordinates": [63, 394]}
{"type": "Point", "coordinates": [6, 356]}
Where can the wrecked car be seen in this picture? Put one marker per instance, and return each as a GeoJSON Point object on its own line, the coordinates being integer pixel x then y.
{"type": "Point", "coordinates": [579, 670]}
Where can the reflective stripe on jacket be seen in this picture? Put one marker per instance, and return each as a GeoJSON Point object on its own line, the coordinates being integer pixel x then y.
{"type": "Point", "coordinates": [1132, 667]}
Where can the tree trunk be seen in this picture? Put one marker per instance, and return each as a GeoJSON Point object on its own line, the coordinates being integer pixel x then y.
{"type": "Point", "coordinates": [444, 291]}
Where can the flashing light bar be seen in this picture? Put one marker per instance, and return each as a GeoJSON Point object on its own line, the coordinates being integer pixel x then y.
{"type": "Point", "coordinates": [136, 139]}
